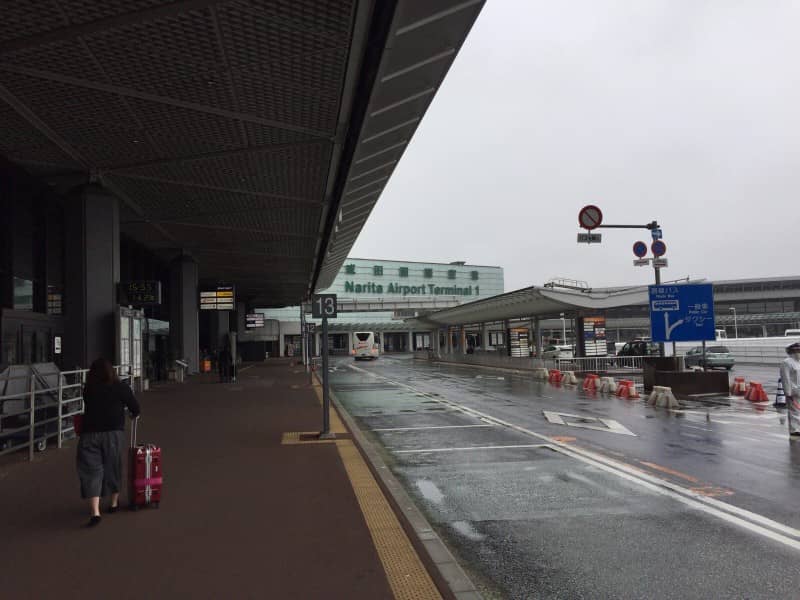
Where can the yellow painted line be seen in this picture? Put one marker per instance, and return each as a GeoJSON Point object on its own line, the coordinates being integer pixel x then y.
{"type": "Point", "coordinates": [405, 572]}
{"type": "Point", "coordinates": [670, 471]}
{"type": "Point", "coordinates": [291, 438]}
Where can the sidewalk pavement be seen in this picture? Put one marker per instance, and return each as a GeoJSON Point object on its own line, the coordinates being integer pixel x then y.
{"type": "Point", "coordinates": [242, 515]}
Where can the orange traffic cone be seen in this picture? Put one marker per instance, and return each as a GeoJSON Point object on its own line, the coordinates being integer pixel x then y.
{"type": "Point", "coordinates": [739, 387]}
{"type": "Point", "coordinates": [756, 393]}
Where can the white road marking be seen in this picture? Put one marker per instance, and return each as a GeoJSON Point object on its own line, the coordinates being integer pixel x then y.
{"type": "Point", "coordinates": [429, 427]}
{"type": "Point", "coordinates": [426, 450]}
{"type": "Point", "coordinates": [743, 518]}
{"type": "Point", "coordinates": [610, 425]}
{"type": "Point", "coordinates": [245, 368]}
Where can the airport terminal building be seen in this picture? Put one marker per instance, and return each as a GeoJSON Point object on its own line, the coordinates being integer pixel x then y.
{"type": "Point", "coordinates": [380, 296]}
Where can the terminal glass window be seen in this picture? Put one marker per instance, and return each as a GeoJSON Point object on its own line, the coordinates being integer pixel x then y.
{"type": "Point", "coordinates": [23, 294]}
{"type": "Point", "coordinates": [377, 270]}
{"type": "Point", "coordinates": [451, 274]}
{"type": "Point", "coordinates": [403, 271]}
{"type": "Point", "coordinates": [473, 275]}
{"type": "Point", "coordinates": [428, 273]}
{"type": "Point", "coordinates": [350, 269]}
{"type": "Point", "coordinates": [495, 338]}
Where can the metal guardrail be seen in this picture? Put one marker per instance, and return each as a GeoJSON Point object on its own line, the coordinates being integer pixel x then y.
{"type": "Point", "coordinates": [65, 399]}
{"type": "Point", "coordinates": [597, 363]}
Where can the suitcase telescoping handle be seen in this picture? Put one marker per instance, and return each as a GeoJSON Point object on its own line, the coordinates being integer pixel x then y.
{"type": "Point", "coordinates": [134, 425]}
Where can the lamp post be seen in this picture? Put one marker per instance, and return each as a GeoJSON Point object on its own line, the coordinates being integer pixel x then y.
{"type": "Point", "coordinates": [735, 323]}
{"type": "Point", "coordinates": [563, 329]}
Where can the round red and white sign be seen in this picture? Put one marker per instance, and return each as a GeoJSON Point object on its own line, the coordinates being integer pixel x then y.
{"type": "Point", "coordinates": [590, 217]}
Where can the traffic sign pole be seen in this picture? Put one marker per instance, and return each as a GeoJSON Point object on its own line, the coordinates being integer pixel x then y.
{"type": "Point", "coordinates": [326, 396]}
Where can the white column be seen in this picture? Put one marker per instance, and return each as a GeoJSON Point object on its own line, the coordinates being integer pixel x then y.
{"type": "Point", "coordinates": [281, 344]}
{"type": "Point", "coordinates": [410, 341]}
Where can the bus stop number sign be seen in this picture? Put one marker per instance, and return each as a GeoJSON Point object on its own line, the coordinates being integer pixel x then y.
{"type": "Point", "coordinates": [323, 306]}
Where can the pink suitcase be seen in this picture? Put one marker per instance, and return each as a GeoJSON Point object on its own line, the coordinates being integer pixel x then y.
{"type": "Point", "coordinates": [144, 473]}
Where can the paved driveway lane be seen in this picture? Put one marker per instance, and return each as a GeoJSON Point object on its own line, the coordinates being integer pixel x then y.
{"type": "Point", "coordinates": [740, 454]}
{"type": "Point", "coordinates": [527, 521]}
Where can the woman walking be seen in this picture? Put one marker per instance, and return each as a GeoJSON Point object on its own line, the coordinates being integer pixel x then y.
{"type": "Point", "coordinates": [103, 436]}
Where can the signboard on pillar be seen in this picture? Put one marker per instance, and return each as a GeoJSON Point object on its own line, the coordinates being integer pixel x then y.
{"type": "Point", "coordinates": [592, 335]}
{"type": "Point", "coordinates": [140, 293]}
{"type": "Point", "coordinates": [518, 343]}
{"type": "Point", "coordinates": [254, 320]}
{"type": "Point", "coordinates": [221, 297]}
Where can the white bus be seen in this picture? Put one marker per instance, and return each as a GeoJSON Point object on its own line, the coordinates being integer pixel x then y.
{"type": "Point", "coordinates": [366, 345]}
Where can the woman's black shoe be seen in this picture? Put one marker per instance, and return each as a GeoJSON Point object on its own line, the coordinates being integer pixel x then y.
{"type": "Point", "coordinates": [95, 520]}
{"type": "Point", "coordinates": [113, 509]}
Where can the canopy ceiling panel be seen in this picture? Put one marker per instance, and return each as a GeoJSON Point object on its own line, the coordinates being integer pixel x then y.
{"type": "Point", "coordinates": [230, 129]}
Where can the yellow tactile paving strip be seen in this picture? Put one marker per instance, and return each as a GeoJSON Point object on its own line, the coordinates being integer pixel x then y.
{"type": "Point", "coordinates": [407, 576]}
{"type": "Point", "coordinates": [404, 570]}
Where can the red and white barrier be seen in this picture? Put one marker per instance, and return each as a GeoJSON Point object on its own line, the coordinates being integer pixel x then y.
{"type": "Point", "coordinates": [756, 392]}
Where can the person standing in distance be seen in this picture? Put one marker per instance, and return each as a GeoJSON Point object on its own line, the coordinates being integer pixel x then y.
{"type": "Point", "coordinates": [790, 379]}
{"type": "Point", "coordinates": [102, 440]}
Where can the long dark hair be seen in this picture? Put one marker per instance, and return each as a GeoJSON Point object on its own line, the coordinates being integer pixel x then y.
{"type": "Point", "coordinates": [100, 373]}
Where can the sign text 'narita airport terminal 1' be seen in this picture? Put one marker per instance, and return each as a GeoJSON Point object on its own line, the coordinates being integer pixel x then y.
{"type": "Point", "coordinates": [682, 313]}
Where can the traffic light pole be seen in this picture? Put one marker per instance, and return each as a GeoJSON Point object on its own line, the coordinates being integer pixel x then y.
{"type": "Point", "coordinates": [652, 226]}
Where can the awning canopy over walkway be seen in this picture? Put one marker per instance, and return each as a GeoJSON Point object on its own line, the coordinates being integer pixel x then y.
{"type": "Point", "coordinates": [256, 135]}
{"type": "Point", "coordinates": [533, 302]}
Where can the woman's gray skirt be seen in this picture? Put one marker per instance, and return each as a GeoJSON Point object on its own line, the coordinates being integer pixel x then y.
{"type": "Point", "coordinates": [100, 462]}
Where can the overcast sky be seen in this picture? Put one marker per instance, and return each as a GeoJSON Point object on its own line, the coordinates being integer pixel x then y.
{"type": "Point", "coordinates": [687, 112]}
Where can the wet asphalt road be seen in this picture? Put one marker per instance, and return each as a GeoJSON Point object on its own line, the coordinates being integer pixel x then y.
{"type": "Point", "coordinates": [645, 503]}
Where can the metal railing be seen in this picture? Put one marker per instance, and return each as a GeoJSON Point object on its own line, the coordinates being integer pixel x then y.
{"type": "Point", "coordinates": [590, 364]}
{"type": "Point", "coordinates": [46, 409]}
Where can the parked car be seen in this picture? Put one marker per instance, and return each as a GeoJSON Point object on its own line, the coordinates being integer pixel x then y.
{"type": "Point", "coordinates": [639, 348]}
{"type": "Point", "coordinates": [717, 357]}
{"type": "Point", "coordinates": [556, 352]}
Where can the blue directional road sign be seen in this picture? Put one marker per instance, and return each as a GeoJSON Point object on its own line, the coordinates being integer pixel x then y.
{"type": "Point", "coordinates": [656, 233]}
{"type": "Point", "coordinates": [682, 313]}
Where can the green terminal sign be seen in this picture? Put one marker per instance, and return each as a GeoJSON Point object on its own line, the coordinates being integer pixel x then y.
{"type": "Point", "coordinates": [398, 289]}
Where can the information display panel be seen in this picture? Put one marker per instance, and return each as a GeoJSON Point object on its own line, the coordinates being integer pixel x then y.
{"type": "Point", "coordinates": [222, 297]}
{"type": "Point", "coordinates": [254, 320]}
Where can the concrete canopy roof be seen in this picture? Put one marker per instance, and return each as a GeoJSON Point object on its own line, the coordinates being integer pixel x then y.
{"type": "Point", "coordinates": [533, 302]}
{"type": "Point", "coordinates": [255, 134]}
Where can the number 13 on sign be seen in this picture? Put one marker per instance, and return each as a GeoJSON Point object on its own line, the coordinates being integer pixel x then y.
{"type": "Point", "coordinates": [323, 305]}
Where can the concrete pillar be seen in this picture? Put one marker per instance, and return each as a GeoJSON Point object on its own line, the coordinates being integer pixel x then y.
{"type": "Point", "coordinates": [449, 341]}
{"type": "Point", "coordinates": [319, 343]}
{"type": "Point", "coordinates": [349, 342]}
{"type": "Point", "coordinates": [411, 341]}
{"type": "Point", "coordinates": [184, 334]}
{"type": "Point", "coordinates": [281, 344]}
{"type": "Point", "coordinates": [537, 336]}
{"type": "Point", "coordinates": [241, 316]}
{"type": "Point", "coordinates": [484, 337]}
{"type": "Point", "coordinates": [218, 328]}
{"type": "Point", "coordinates": [462, 339]}
{"type": "Point", "coordinates": [91, 223]}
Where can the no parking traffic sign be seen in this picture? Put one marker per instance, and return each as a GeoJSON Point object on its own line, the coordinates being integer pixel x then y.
{"type": "Point", "coordinates": [640, 249]}
{"type": "Point", "coordinates": [590, 217]}
{"type": "Point", "coordinates": [659, 248]}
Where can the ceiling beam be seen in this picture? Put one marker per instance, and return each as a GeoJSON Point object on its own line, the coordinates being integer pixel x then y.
{"type": "Point", "coordinates": [217, 188]}
{"type": "Point", "coordinates": [132, 93]}
{"type": "Point", "coordinates": [71, 32]}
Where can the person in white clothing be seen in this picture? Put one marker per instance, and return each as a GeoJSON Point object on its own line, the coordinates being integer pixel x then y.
{"type": "Point", "coordinates": [790, 378]}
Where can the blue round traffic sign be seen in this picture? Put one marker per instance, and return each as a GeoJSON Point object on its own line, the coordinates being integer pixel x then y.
{"type": "Point", "coordinates": [659, 248]}
{"type": "Point", "coordinates": [640, 249]}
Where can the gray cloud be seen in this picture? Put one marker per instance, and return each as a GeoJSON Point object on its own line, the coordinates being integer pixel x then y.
{"type": "Point", "coordinates": [685, 112]}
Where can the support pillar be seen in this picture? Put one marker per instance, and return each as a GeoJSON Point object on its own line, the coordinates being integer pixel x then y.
{"type": "Point", "coordinates": [462, 339]}
{"type": "Point", "coordinates": [281, 344]}
{"type": "Point", "coordinates": [91, 223]}
{"type": "Point", "coordinates": [184, 335]}
{"type": "Point", "coordinates": [410, 341]}
{"type": "Point", "coordinates": [484, 337]}
{"type": "Point", "coordinates": [449, 341]}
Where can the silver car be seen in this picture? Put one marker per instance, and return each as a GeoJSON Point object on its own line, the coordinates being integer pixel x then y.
{"type": "Point", "coordinates": [717, 357]}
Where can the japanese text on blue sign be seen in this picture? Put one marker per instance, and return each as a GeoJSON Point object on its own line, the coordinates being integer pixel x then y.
{"type": "Point", "coordinates": [682, 313]}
